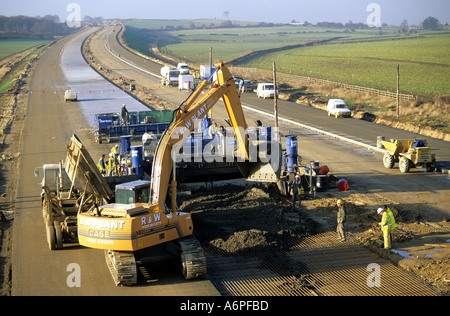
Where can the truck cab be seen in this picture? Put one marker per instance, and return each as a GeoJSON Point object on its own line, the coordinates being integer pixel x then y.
{"type": "Point", "coordinates": [183, 68]}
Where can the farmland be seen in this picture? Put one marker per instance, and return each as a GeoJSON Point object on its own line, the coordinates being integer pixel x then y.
{"type": "Point", "coordinates": [424, 64]}
{"type": "Point", "coordinates": [362, 57]}
{"type": "Point", "coordinates": [13, 46]}
{"type": "Point", "coordinates": [358, 57]}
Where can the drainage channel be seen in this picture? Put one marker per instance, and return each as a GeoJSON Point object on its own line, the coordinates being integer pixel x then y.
{"type": "Point", "coordinates": [318, 265]}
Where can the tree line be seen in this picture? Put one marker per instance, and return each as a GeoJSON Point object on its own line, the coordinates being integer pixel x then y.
{"type": "Point", "coordinates": [32, 27]}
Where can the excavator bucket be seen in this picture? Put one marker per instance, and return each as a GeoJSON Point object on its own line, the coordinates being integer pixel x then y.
{"type": "Point", "coordinates": [263, 169]}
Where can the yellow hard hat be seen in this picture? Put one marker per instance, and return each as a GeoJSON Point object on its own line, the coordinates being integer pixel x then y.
{"type": "Point", "coordinates": [340, 202]}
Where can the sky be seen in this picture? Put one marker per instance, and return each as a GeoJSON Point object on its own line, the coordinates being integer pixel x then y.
{"type": "Point", "coordinates": [391, 12]}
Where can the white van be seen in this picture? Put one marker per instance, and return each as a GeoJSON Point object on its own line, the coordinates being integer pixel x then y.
{"type": "Point", "coordinates": [183, 68]}
{"type": "Point", "coordinates": [338, 108]}
{"type": "Point", "coordinates": [70, 95]}
{"type": "Point", "coordinates": [265, 90]}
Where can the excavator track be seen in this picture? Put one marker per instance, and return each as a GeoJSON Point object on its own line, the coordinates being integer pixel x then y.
{"type": "Point", "coordinates": [193, 259]}
{"type": "Point", "coordinates": [122, 266]}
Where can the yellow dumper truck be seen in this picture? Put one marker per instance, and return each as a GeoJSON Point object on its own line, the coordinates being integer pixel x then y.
{"type": "Point", "coordinates": [409, 154]}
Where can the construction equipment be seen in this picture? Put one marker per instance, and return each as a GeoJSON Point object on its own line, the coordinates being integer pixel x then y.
{"type": "Point", "coordinates": [409, 153]}
{"type": "Point", "coordinates": [124, 229]}
{"type": "Point", "coordinates": [170, 76]}
{"type": "Point", "coordinates": [76, 185]}
{"type": "Point", "coordinates": [109, 126]}
{"type": "Point", "coordinates": [68, 188]}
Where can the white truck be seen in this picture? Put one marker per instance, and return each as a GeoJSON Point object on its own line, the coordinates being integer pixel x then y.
{"type": "Point", "coordinates": [183, 68]}
{"type": "Point", "coordinates": [205, 72]}
{"type": "Point", "coordinates": [338, 108]}
{"type": "Point", "coordinates": [266, 90]}
{"type": "Point", "coordinates": [170, 76]}
{"type": "Point", "coordinates": [186, 82]}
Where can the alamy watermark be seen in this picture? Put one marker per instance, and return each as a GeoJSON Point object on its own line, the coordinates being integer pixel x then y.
{"type": "Point", "coordinates": [374, 279]}
{"type": "Point", "coordinates": [74, 278]}
{"type": "Point", "coordinates": [374, 18]}
{"type": "Point", "coordinates": [74, 18]}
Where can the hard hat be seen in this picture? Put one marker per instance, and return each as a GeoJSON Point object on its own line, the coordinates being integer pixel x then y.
{"type": "Point", "coordinates": [117, 146]}
{"type": "Point", "coordinates": [379, 211]}
{"type": "Point", "coordinates": [340, 202]}
{"type": "Point", "coordinates": [297, 177]}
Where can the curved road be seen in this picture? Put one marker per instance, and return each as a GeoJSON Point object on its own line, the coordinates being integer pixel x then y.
{"type": "Point", "coordinates": [355, 129]}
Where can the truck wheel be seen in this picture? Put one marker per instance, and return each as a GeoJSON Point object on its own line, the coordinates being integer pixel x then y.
{"type": "Point", "coordinates": [404, 164]}
{"type": "Point", "coordinates": [431, 167]}
{"type": "Point", "coordinates": [58, 235]}
{"type": "Point", "coordinates": [51, 236]}
{"type": "Point", "coordinates": [388, 161]}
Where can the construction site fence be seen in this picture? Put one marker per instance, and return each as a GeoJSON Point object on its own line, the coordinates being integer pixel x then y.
{"type": "Point", "coordinates": [384, 93]}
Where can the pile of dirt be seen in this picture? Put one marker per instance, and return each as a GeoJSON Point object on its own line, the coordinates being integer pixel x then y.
{"type": "Point", "coordinates": [233, 220]}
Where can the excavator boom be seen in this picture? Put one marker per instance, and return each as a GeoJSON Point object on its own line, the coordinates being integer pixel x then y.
{"type": "Point", "coordinates": [194, 110]}
{"type": "Point", "coordinates": [122, 230]}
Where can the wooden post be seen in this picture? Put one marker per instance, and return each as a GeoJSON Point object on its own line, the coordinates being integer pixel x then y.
{"type": "Point", "coordinates": [275, 97]}
{"type": "Point", "coordinates": [398, 92]}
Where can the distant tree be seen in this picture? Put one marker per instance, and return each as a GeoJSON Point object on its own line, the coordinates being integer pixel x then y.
{"type": "Point", "coordinates": [431, 23]}
{"type": "Point", "coordinates": [404, 27]}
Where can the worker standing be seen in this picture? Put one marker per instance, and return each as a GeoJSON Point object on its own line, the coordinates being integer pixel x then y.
{"type": "Point", "coordinates": [387, 225]}
{"type": "Point", "coordinates": [124, 115]}
{"type": "Point", "coordinates": [102, 165]}
{"type": "Point", "coordinates": [296, 186]}
{"type": "Point", "coordinates": [110, 165]}
{"type": "Point", "coordinates": [212, 130]}
{"type": "Point", "coordinates": [115, 149]}
{"type": "Point", "coordinates": [341, 218]}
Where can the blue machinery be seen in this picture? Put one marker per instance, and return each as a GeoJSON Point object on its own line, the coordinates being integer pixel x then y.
{"type": "Point", "coordinates": [109, 125]}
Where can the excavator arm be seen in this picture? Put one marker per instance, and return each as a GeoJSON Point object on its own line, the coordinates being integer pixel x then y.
{"type": "Point", "coordinates": [194, 109]}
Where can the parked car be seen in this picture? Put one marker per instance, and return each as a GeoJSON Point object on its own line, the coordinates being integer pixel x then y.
{"type": "Point", "coordinates": [338, 108]}
{"type": "Point", "coordinates": [266, 90]}
{"type": "Point", "coordinates": [246, 85]}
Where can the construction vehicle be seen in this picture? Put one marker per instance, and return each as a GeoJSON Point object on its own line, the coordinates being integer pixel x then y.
{"type": "Point", "coordinates": [409, 153]}
{"type": "Point", "coordinates": [76, 185]}
{"type": "Point", "coordinates": [109, 126]}
{"type": "Point", "coordinates": [170, 76]}
{"type": "Point", "coordinates": [124, 231]}
{"type": "Point", "coordinates": [68, 188]}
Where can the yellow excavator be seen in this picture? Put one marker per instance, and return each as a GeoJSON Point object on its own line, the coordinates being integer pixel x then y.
{"type": "Point", "coordinates": [123, 230]}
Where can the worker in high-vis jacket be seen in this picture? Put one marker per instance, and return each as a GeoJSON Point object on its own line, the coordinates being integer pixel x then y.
{"type": "Point", "coordinates": [296, 187]}
{"type": "Point", "coordinates": [387, 225]}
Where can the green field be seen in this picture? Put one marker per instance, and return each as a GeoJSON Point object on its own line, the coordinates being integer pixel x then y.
{"type": "Point", "coordinates": [365, 57]}
{"type": "Point", "coordinates": [9, 47]}
{"type": "Point", "coordinates": [424, 64]}
{"type": "Point", "coordinates": [193, 45]}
